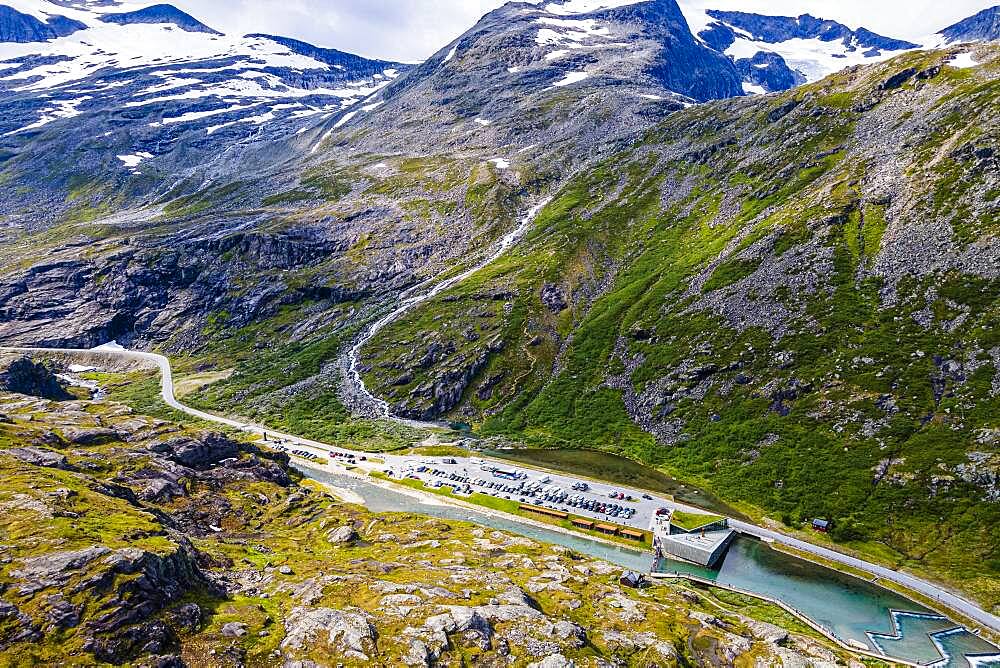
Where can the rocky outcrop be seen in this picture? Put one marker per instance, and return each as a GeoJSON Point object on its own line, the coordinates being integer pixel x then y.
{"type": "Point", "coordinates": [443, 392]}
{"type": "Point", "coordinates": [23, 376]}
{"type": "Point", "coordinates": [89, 435]}
{"type": "Point", "coordinates": [554, 298]}
{"type": "Point", "coordinates": [349, 632]}
{"type": "Point", "coordinates": [39, 457]}
{"type": "Point", "coordinates": [197, 454]}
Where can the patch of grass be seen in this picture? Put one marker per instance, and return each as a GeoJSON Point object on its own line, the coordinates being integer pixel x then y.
{"type": "Point", "coordinates": [730, 272]}
{"type": "Point", "coordinates": [692, 521]}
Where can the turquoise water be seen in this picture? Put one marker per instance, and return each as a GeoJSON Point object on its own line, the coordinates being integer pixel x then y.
{"type": "Point", "coordinates": [851, 608]}
{"type": "Point", "coordinates": [956, 644]}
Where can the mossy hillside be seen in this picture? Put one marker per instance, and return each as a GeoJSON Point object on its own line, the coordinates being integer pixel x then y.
{"type": "Point", "coordinates": [797, 425]}
{"type": "Point", "coordinates": [283, 370]}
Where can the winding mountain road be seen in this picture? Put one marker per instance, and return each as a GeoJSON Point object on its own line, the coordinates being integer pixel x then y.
{"type": "Point", "coordinates": [943, 597]}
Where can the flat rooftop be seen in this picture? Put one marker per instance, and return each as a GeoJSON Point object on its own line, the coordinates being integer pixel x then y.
{"type": "Point", "coordinates": [701, 549]}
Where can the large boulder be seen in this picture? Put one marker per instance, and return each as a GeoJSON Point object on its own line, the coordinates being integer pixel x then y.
{"type": "Point", "coordinates": [202, 453]}
{"type": "Point", "coordinates": [21, 375]}
{"type": "Point", "coordinates": [89, 435]}
{"type": "Point", "coordinates": [342, 535]}
{"type": "Point", "coordinates": [40, 457]}
{"type": "Point", "coordinates": [348, 632]}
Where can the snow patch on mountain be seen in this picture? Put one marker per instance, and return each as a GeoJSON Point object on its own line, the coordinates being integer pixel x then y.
{"type": "Point", "coordinates": [134, 159]}
{"type": "Point", "coordinates": [174, 69]}
{"type": "Point", "coordinates": [813, 58]}
{"type": "Point", "coordinates": [964, 61]}
{"type": "Point", "coordinates": [570, 79]}
{"type": "Point", "coordinates": [787, 51]}
{"type": "Point", "coordinates": [570, 7]}
{"type": "Point", "coordinates": [57, 110]}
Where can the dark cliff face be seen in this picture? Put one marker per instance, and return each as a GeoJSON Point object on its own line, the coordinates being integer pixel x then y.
{"type": "Point", "coordinates": [683, 65]}
{"type": "Point", "coordinates": [984, 26]}
{"type": "Point", "coordinates": [128, 295]}
{"type": "Point", "coordinates": [23, 28]}
{"type": "Point", "coordinates": [160, 14]}
{"type": "Point", "coordinates": [770, 71]}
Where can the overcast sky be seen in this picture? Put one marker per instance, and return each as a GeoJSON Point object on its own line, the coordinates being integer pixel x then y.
{"type": "Point", "coordinates": [412, 30]}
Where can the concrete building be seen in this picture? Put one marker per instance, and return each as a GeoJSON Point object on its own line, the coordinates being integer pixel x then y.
{"type": "Point", "coordinates": [701, 540]}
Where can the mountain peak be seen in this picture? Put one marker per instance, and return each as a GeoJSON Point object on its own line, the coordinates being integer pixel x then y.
{"type": "Point", "coordinates": [982, 27]}
{"type": "Point", "coordinates": [22, 28]}
{"type": "Point", "coordinates": [160, 14]}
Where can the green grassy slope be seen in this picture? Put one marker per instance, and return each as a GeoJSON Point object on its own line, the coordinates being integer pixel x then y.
{"type": "Point", "coordinates": [790, 300]}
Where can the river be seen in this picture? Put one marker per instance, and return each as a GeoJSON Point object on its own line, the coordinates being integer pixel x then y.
{"type": "Point", "coordinates": [853, 609]}
{"type": "Point", "coordinates": [377, 407]}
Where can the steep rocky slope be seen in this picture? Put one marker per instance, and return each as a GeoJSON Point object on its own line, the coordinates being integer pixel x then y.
{"type": "Point", "coordinates": [982, 27]}
{"type": "Point", "coordinates": [131, 540]}
{"type": "Point", "coordinates": [792, 299]}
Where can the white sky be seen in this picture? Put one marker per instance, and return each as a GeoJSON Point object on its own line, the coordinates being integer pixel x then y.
{"type": "Point", "coordinates": [411, 30]}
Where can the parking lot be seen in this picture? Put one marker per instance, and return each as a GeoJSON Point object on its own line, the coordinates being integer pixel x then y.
{"type": "Point", "coordinates": [467, 475]}
{"type": "Point", "coordinates": [600, 502]}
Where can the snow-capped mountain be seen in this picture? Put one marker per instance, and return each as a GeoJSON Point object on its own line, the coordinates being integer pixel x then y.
{"type": "Point", "coordinates": [151, 103]}
{"type": "Point", "coordinates": [167, 68]}
{"type": "Point", "coordinates": [778, 52]}
{"type": "Point", "coordinates": [983, 27]}
{"type": "Point", "coordinates": [557, 76]}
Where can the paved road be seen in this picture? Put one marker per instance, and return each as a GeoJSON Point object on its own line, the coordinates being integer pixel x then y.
{"type": "Point", "coordinates": [645, 508]}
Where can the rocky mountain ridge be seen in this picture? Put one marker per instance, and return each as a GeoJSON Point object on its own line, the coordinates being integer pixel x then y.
{"type": "Point", "coordinates": [18, 27]}
{"type": "Point", "coordinates": [984, 26]}
{"type": "Point", "coordinates": [159, 15]}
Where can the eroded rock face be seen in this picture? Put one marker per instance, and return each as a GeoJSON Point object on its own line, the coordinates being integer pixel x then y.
{"type": "Point", "coordinates": [198, 454]}
{"type": "Point", "coordinates": [23, 376]}
{"type": "Point", "coordinates": [554, 298]}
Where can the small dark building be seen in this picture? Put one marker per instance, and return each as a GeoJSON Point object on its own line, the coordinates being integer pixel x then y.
{"type": "Point", "coordinates": [821, 525]}
{"type": "Point", "coordinates": [632, 579]}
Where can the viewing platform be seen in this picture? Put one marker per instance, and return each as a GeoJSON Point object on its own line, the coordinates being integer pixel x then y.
{"type": "Point", "coordinates": [698, 539]}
